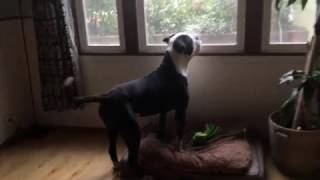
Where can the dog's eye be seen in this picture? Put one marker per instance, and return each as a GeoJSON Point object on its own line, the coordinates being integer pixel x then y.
{"type": "Point", "coordinates": [197, 38]}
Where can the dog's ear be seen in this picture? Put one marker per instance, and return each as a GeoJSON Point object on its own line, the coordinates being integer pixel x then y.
{"type": "Point", "coordinates": [167, 39]}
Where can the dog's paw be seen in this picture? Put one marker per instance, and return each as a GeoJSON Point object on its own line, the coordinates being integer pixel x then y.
{"type": "Point", "coordinates": [179, 147]}
{"type": "Point", "coordinates": [139, 172]}
{"type": "Point", "coordinates": [116, 167]}
{"type": "Point", "coordinates": [162, 139]}
{"type": "Point", "coordinates": [132, 172]}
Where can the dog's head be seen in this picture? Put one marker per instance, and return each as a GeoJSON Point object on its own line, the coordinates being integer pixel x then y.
{"type": "Point", "coordinates": [183, 43]}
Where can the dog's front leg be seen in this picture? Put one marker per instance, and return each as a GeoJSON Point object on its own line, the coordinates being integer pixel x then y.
{"type": "Point", "coordinates": [162, 126]}
{"type": "Point", "coordinates": [180, 117]}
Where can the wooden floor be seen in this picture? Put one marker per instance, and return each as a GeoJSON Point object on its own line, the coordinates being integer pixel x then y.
{"type": "Point", "coordinates": [67, 154]}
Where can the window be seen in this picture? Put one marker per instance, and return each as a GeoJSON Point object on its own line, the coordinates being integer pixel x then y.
{"type": "Point", "coordinates": [289, 29]}
{"type": "Point", "coordinates": [100, 25]}
{"type": "Point", "coordinates": [224, 26]}
{"type": "Point", "coordinates": [219, 24]}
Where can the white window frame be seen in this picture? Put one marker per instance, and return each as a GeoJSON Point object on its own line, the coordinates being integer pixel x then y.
{"type": "Point", "coordinates": [84, 45]}
{"type": "Point", "coordinates": [276, 48]}
{"type": "Point", "coordinates": [205, 48]}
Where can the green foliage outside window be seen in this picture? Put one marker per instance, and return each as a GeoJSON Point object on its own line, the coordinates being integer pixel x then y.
{"type": "Point", "coordinates": [101, 17]}
{"type": "Point", "coordinates": [167, 16]}
{"type": "Point", "coordinates": [199, 16]}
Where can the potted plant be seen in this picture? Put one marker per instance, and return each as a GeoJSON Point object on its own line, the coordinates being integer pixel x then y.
{"type": "Point", "coordinates": [295, 128]}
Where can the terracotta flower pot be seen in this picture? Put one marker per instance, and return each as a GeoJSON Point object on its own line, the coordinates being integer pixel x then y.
{"type": "Point", "coordinates": [294, 152]}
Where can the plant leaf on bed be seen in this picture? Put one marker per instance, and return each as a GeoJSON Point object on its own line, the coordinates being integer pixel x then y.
{"type": "Point", "coordinates": [202, 137]}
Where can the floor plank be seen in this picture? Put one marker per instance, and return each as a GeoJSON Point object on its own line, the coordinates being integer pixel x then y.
{"type": "Point", "coordinates": [68, 154]}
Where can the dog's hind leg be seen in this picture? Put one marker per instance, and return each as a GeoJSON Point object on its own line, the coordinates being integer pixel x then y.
{"type": "Point", "coordinates": [113, 135]}
{"type": "Point", "coordinates": [131, 135]}
{"type": "Point", "coordinates": [162, 126]}
{"type": "Point", "coordinates": [180, 117]}
{"type": "Point", "coordinates": [108, 113]}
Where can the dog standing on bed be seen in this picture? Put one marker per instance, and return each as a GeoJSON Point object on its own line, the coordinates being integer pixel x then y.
{"type": "Point", "coordinates": [162, 90]}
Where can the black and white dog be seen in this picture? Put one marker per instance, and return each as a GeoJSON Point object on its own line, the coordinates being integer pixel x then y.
{"type": "Point", "coordinates": [162, 90]}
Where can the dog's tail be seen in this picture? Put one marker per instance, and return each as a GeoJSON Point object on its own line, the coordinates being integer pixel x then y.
{"type": "Point", "coordinates": [78, 101]}
{"type": "Point", "coordinates": [88, 99]}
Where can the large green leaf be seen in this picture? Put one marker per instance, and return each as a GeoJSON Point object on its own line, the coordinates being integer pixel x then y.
{"type": "Point", "coordinates": [202, 137]}
{"type": "Point", "coordinates": [290, 100]}
{"type": "Point", "coordinates": [290, 2]}
{"type": "Point", "coordinates": [286, 112]}
{"type": "Point", "coordinates": [304, 3]}
{"type": "Point", "coordinates": [277, 5]}
{"type": "Point", "coordinates": [315, 76]}
{"type": "Point", "coordinates": [316, 67]}
{"type": "Point", "coordinates": [308, 90]}
{"type": "Point", "coordinates": [291, 76]}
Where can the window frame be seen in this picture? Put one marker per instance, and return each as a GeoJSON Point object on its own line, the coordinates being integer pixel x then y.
{"type": "Point", "coordinates": [266, 32]}
{"type": "Point", "coordinates": [253, 18]}
{"type": "Point", "coordinates": [205, 49]}
{"type": "Point", "coordinates": [82, 31]}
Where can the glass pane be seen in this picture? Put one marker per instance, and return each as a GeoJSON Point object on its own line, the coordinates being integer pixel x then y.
{"type": "Point", "coordinates": [101, 22]}
{"type": "Point", "coordinates": [215, 21]}
{"type": "Point", "coordinates": [291, 24]}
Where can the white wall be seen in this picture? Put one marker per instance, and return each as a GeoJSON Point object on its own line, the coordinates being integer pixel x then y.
{"type": "Point", "coordinates": [15, 94]}
{"type": "Point", "coordinates": [238, 90]}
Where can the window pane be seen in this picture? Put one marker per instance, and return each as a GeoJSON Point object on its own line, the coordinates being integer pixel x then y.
{"type": "Point", "coordinates": [291, 24]}
{"type": "Point", "coordinates": [215, 21]}
{"type": "Point", "coordinates": [101, 20]}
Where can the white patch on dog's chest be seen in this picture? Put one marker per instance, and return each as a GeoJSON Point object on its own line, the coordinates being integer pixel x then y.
{"type": "Point", "coordinates": [181, 63]}
{"type": "Point", "coordinates": [182, 69]}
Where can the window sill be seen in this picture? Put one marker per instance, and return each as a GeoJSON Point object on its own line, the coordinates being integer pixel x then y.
{"type": "Point", "coordinates": [201, 54]}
